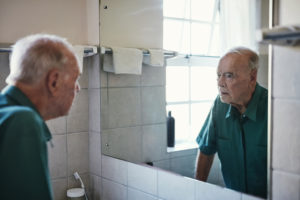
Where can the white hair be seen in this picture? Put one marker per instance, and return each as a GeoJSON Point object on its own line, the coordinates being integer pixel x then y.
{"type": "Point", "coordinates": [253, 57]}
{"type": "Point", "coordinates": [34, 55]}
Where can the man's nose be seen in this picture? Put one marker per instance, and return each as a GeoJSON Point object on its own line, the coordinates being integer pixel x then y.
{"type": "Point", "coordinates": [221, 82]}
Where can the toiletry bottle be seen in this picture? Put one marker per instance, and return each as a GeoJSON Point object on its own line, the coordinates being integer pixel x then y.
{"type": "Point", "coordinates": [170, 130]}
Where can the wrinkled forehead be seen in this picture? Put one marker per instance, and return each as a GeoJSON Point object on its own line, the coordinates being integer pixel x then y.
{"type": "Point", "coordinates": [232, 62]}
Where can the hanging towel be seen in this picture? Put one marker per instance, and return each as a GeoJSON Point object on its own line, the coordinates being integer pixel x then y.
{"type": "Point", "coordinates": [108, 63]}
{"type": "Point", "coordinates": [127, 60]}
{"type": "Point", "coordinates": [156, 57]}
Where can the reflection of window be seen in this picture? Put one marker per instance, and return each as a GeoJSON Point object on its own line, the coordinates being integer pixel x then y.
{"type": "Point", "coordinates": [191, 27]}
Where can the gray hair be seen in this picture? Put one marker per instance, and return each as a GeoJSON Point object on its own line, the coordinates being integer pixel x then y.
{"type": "Point", "coordinates": [253, 57]}
{"type": "Point", "coordinates": [34, 55]}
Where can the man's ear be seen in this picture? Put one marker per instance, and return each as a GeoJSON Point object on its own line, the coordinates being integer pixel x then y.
{"type": "Point", "coordinates": [53, 81]}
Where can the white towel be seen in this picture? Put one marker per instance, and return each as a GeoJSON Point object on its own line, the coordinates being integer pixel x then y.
{"type": "Point", "coordinates": [156, 57]}
{"type": "Point", "coordinates": [108, 65]}
{"type": "Point", "coordinates": [127, 60]}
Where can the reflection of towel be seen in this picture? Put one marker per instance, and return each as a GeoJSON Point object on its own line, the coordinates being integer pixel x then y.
{"type": "Point", "coordinates": [127, 60]}
{"type": "Point", "coordinates": [156, 57]}
{"type": "Point", "coordinates": [79, 51]}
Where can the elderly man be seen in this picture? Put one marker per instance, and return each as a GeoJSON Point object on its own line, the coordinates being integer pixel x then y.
{"type": "Point", "coordinates": [41, 85]}
{"type": "Point", "coordinates": [236, 127]}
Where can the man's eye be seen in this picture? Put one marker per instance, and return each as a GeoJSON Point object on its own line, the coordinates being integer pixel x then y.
{"type": "Point", "coordinates": [228, 75]}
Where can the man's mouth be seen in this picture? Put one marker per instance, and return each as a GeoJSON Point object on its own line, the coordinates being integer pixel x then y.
{"type": "Point", "coordinates": [223, 93]}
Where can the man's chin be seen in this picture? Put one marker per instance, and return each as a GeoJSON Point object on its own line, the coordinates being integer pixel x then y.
{"type": "Point", "coordinates": [224, 99]}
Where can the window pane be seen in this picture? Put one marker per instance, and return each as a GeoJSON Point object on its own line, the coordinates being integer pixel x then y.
{"type": "Point", "coordinates": [176, 36]}
{"type": "Point", "coordinates": [202, 10]}
{"type": "Point", "coordinates": [177, 8]}
{"type": "Point", "coordinates": [177, 84]}
{"type": "Point", "coordinates": [200, 38]}
{"type": "Point", "coordinates": [215, 43]}
{"type": "Point", "coordinates": [203, 83]}
{"type": "Point", "coordinates": [199, 113]}
{"type": "Point", "coordinates": [181, 116]}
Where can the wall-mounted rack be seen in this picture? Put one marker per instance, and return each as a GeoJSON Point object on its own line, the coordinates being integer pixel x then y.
{"type": "Point", "coordinates": [88, 51]}
{"type": "Point", "coordinates": [280, 35]}
{"type": "Point", "coordinates": [106, 50]}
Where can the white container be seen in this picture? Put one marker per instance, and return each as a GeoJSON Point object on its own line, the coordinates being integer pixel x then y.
{"type": "Point", "coordinates": [76, 194]}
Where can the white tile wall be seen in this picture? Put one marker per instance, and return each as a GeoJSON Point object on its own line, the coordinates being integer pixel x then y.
{"type": "Point", "coordinates": [134, 194]}
{"type": "Point", "coordinates": [113, 191]}
{"type": "Point", "coordinates": [58, 125]}
{"type": "Point", "coordinates": [205, 191]}
{"type": "Point", "coordinates": [59, 187]}
{"type": "Point", "coordinates": [58, 156]}
{"type": "Point", "coordinates": [114, 170]}
{"type": "Point", "coordinates": [285, 186]}
{"type": "Point", "coordinates": [142, 178]}
{"type": "Point", "coordinates": [175, 187]}
{"type": "Point", "coordinates": [78, 153]}
{"type": "Point", "coordinates": [95, 153]}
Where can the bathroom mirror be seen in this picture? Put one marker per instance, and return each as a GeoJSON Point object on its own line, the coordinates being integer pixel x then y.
{"type": "Point", "coordinates": [134, 107]}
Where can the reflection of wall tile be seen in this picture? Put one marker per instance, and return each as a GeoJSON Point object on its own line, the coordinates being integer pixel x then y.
{"type": "Point", "coordinates": [153, 76]}
{"type": "Point", "coordinates": [163, 164]}
{"type": "Point", "coordinates": [59, 187]}
{"type": "Point", "coordinates": [138, 195]}
{"type": "Point", "coordinates": [153, 105]}
{"type": "Point", "coordinates": [124, 143]}
{"type": "Point", "coordinates": [104, 108]}
{"type": "Point", "coordinates": [154, 142]}
{"type": "Point", "coordinates": [95, 153]}
{"type": "Point", "coordinates": [112, 190]}
{"type": "Point", "coordinates": [142, 178]}
{"type": "Point", "coordinates": [123, 80]}
{"type": "Point", "coordinates": [94, 110]}
{"type": "Point", "coordinates": [57, 125]}
{"type": "Point", "coordinates": [78, 152]}
{"type": "Point", "coordinates": [4, 69]}
{"type": "Point", "coordinates": [124, 107]}
{"type": "Point", "coordinates": [77, 120]}
{"type": "Point", "coordinates": [175, 187]}
{"type": "Point", "coordinates": [58, 156]}
{"type": "Point", "coordinates": [184, 165]}
{"type": "Point", "coordinates": [114, 169]}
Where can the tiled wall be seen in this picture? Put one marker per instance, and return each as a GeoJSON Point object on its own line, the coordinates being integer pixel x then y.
{"type": "Point", "coordinates": [285, 124]}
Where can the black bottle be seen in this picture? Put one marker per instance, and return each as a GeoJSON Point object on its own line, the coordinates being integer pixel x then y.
{"type": "Point", "coordinates": [170, 130]}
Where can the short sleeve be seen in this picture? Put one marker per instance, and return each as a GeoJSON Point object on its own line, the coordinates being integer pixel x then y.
{"type": "Point", "coordinates": [207, 136]}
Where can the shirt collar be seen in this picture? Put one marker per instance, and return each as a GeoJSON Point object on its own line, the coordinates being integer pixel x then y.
{"type": "Point", "coordinates": [252, 106]}
{"type": "Point", "coordinates": [16, 95]}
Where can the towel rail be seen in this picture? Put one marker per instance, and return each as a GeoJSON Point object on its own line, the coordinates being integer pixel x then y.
{"type": "Point", "coordinates": [105, 50]}
{"type": "Point", "coordinates": [88, 51]}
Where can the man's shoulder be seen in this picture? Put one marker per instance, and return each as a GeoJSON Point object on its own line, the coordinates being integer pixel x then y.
{"type": "Point", "coordinates": [18, 112]}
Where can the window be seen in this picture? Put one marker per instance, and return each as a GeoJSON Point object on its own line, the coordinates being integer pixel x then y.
{"type": "Point", "coordinates": [191, 27]}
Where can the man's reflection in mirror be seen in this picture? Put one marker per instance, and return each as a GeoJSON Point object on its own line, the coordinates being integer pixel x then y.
{"type": "Point", "coordinates": [236, 126]}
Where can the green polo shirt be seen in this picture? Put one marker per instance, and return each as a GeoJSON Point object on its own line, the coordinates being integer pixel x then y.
{"type": "Point", "coordinates": [24, 170]}
{"type": "Point", "coordinates": [240, 141]}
